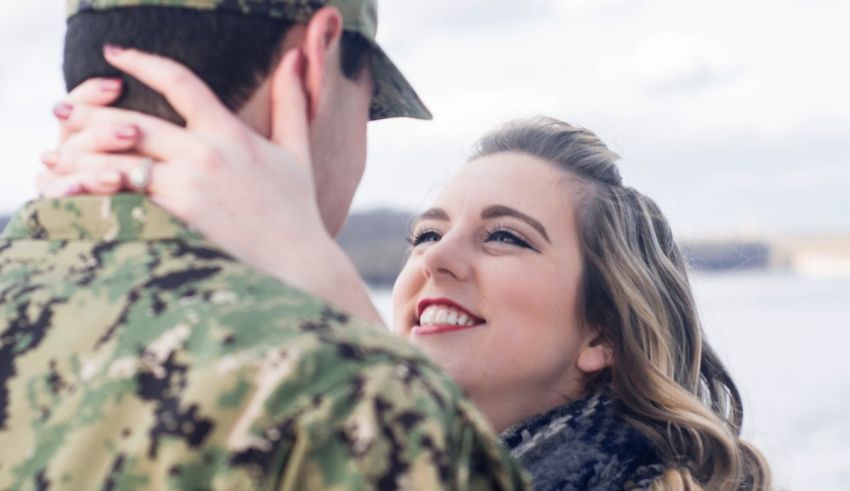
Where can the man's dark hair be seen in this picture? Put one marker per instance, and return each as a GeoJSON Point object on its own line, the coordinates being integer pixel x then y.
{"type": "Point", "coordinates": [232, 53]}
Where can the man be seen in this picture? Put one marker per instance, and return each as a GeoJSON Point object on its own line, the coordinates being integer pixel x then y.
{"type": "Point", "coordinates": [135, 354]}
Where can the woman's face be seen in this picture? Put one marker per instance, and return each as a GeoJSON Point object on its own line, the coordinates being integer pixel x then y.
{"type": "Point", "coordinates": [490, 288]}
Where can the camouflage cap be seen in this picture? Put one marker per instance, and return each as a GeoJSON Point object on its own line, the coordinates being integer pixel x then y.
{"type": "Point", "coordinates": [394, 96]}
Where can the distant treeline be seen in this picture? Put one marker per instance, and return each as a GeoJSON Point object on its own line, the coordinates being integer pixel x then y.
{"type": "Point", "coordinates": [376, 242]}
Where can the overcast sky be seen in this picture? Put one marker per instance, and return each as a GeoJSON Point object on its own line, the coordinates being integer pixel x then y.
{"type": "Point", "coordinates": [734, 115]}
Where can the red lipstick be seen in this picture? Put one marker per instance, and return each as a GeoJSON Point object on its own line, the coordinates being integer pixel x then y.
{"type": "Point", "coordinates": [438, 328]}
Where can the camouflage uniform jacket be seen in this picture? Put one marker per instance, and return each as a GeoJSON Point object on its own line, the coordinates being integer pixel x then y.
{"type": "Point", "coordinates": [136, 355]}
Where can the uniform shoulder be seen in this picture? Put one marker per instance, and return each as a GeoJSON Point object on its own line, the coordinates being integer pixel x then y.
{"type": "Point", "coordinates": [395, 424]}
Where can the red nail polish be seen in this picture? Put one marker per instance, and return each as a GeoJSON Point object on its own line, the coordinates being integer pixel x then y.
{"type": "Point", "coordinates": [111, 85]}
{"type": "Point", "coordinates": [128, 132]}
{"type": "Point", "coordinates": [112, 49]}
{"type": "Point", "coordinates": [63, 111]}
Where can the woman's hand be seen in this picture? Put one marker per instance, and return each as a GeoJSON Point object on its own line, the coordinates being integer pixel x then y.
{"type": "Point", "coordinates": [253, 196]}
{"type": "Point", "coordinates": [212, 174]}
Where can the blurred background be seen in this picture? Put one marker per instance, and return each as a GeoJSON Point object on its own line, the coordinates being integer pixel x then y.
{"type": "Point", "coordinates": [733, 115]}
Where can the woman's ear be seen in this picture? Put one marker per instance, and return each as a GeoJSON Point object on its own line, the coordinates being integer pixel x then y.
{"type": "Point", "coordinates": [321, 48]}
{"type": "Point", "coordinates": [596, 354]}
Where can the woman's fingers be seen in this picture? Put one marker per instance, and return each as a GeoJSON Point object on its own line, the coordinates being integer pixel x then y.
{"type": "Point", "coordinates": [109, 138]}
{"type": "Point", "coordinates": [186, 93]}
{"type": "Point", "coordinates": [156, 137]}
{"type": "Point", "coordinates": [290, 121]}
{"type": "Point", "coordinates": [96, 92]}
{"type": "Point", "coordinates": [80, 116]}
{"type": "Point", "coordinates": [106, 174]}
{"type": "Point", "coordinates": [52, 185]}
{"type": "Point", "coordinates": [71, 163]}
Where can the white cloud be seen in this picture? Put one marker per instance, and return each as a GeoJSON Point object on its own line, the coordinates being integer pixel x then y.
{"type": "Point", "coordinates": [667, 61]}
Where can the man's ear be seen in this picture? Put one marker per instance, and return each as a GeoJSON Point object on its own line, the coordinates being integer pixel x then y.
{"type": "Point", "coordinates": [596, 354]}
{"type": "Point", "coordinates": [321, 47]}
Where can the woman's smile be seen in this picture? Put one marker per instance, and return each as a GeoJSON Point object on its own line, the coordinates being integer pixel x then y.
{"type": "Point", "coordinates": [442, 315]}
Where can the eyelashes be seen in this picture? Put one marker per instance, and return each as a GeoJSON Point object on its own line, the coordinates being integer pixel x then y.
{"type": "Point", "coordinates": [427, 235]}
{"type": "Point", "coordinates": [508, 236]}
{"type": "Point", "coordinates": [500, 234]}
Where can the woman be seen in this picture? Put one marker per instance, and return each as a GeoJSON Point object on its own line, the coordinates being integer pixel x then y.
{"type": "Point", "coordinates": [558, 300]}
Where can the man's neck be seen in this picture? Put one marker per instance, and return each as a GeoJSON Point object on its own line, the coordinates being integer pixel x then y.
{"type": "Point", "coordinates": [256, 112]}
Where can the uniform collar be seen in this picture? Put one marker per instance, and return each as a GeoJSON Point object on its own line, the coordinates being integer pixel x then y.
{"type": "Point", "coordinates": [122, 217]}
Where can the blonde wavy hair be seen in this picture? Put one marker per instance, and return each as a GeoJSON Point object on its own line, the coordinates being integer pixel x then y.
{"type": "Point", "coordinates": [671, 384]}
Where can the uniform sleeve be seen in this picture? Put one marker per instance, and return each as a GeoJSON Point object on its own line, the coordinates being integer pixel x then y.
{"type": "Point", "coordinates": [396, 426]}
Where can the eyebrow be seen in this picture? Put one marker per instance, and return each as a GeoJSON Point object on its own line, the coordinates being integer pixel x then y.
{"type": "Point", "coordinates": [494, 211]}
{"type": "Point", "coordinates": [498, 211]}
{"type": "Point", "coordinates": [431, 214]}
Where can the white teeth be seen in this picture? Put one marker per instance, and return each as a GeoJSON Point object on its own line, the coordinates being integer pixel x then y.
{"type": "Point", "coordinates": [442, 315]}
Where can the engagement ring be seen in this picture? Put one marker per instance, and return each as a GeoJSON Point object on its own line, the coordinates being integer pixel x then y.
{"type": "Point", "coordinates": [140, 176]}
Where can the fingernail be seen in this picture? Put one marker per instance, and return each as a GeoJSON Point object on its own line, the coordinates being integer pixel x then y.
{"type": "Point", "coordinates": [110, 178]}
{"type": "Point", "coordinates": [128, 132]}
{"type": "Point", "coordinates": [63, 111]}
{"type": "Point", "coordinates": [73, 189]}
{"type": "Point", "coordinates": [50, 159]}
{"type": "Point", "coordinates": [112, 50]}
{"type": "Point", "coordinates": [111, 84]}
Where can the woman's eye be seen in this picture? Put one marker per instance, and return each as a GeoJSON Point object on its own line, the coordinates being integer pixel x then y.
{"type": "Point", "coordinates": [508, 238]}
{"type": "Point", "coordinates": [422, 237]}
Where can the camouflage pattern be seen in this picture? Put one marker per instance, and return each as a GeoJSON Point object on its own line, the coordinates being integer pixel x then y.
{"type": "Point", "coordinates": [135, 355]}
{"type": "Point", "coordinates": [394, 96]}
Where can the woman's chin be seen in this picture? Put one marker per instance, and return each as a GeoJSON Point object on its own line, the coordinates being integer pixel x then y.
{"type": "Point", "coordinates": [452, 358]}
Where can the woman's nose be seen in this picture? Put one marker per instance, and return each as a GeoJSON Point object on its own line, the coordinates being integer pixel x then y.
{"type": "Point", "coordinates": [449, 258]}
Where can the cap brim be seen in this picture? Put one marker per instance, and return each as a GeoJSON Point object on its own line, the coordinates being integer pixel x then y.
{"type": "Point", "coordinates": [394, 97]}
